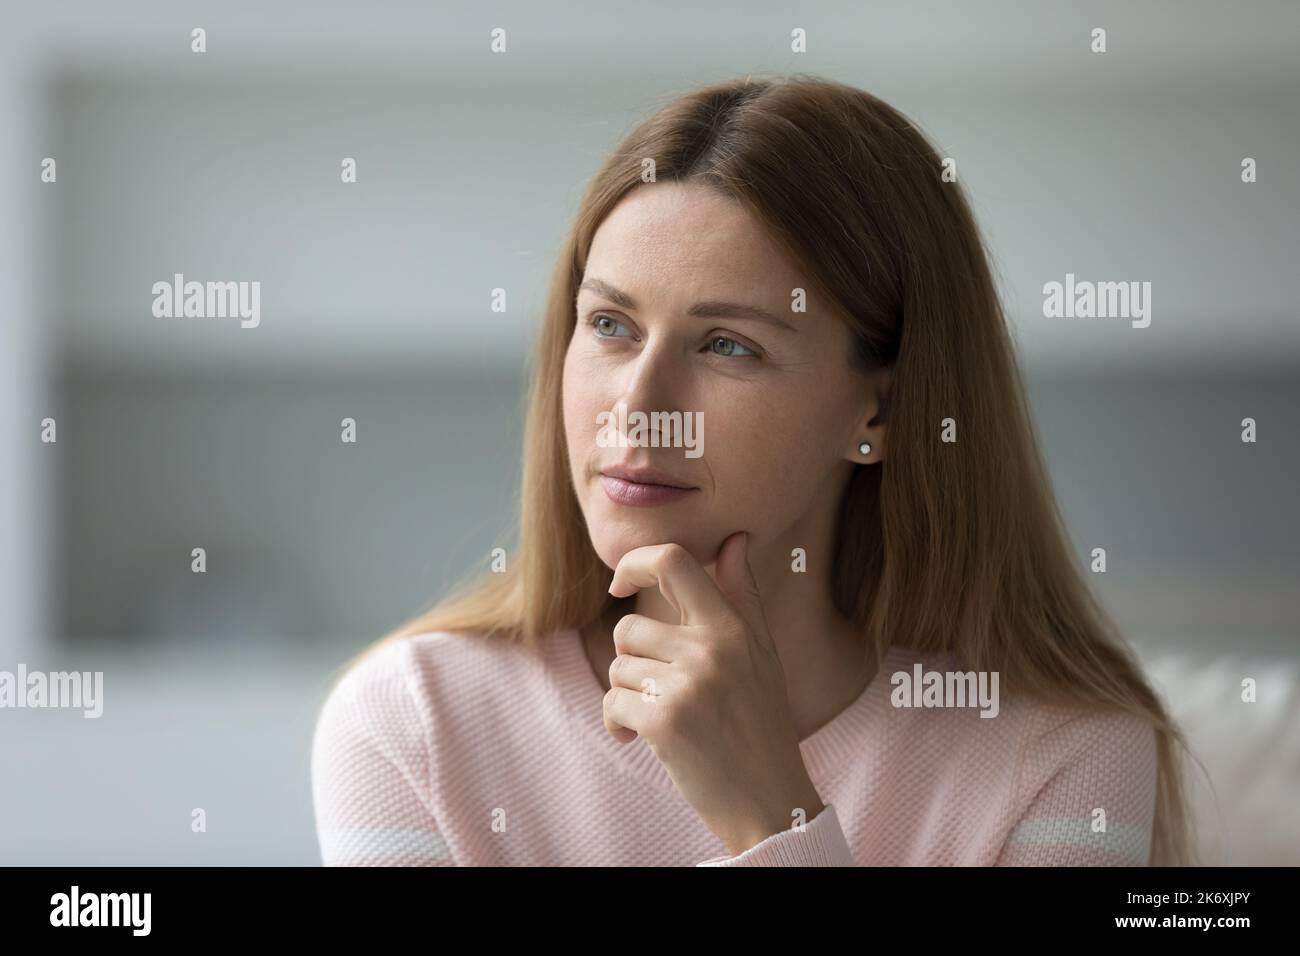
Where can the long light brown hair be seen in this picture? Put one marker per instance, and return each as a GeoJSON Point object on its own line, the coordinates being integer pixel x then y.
{"type": "Point", "coordinates": [944, 546]}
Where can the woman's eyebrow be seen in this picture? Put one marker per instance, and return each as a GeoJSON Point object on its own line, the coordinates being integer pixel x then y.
{"type": "Point", "coordinates": [709, 309]}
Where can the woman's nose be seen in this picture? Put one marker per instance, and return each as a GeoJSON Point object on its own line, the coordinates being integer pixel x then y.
{"type": "Point", "coordinates": [653, 382]}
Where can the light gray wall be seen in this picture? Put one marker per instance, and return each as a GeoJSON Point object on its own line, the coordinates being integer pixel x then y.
{"type": "Point", "coordinates": [237, 178]}
{"type": "Point", "coordinates": [308, 539]}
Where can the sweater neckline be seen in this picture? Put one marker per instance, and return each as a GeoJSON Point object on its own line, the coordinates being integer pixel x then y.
{"type": "Point", "coordinates": [844, 738]}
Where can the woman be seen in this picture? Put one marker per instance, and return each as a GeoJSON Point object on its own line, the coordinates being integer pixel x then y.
{"type": "Point", "coordinates": [744, 647]}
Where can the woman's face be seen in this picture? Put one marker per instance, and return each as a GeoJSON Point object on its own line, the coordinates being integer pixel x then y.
{"type": "Point", "coordinates": [780, 410]}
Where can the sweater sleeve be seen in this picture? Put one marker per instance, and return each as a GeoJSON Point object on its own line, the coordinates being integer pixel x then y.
{"type": "Point", "coordinates": [370, 771]}
{"type": "Point", "coordinates": [819, 843]}
{"type": "Point", "coordinates": [1088, 789]}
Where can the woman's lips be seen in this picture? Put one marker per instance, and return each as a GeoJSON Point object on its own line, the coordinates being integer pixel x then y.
{"type": "Point", "coordinates": [636, 494]}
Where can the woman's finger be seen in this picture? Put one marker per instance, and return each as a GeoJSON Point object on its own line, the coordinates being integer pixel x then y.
{"type": "Point", "coordinates": [643, 636]}
{"type": "Point", "coordinates": [625, 712]}
{"type": "Point", "coordinates": [648, 677]}
{"type": "Point", "coordinates": [680, 578]}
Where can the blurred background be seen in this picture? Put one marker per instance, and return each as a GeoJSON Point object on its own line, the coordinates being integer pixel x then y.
{"type": "Point", "coordinates": [177, 434]}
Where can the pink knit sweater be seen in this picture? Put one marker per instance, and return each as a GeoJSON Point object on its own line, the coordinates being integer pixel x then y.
{"type": "Point", "coordinates": [445, 749]}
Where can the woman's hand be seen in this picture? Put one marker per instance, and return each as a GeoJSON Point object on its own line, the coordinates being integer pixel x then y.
{"type": "Point", "coordinates": [709, 694]}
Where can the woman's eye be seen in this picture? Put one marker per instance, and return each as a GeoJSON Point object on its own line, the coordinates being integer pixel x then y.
{"type": "Point", "coordinates": [604, 325]}
{"type": "Point", "coordinates": [729, 346]}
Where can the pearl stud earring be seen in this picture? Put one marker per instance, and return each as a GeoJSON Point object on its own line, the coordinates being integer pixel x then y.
{"type": "Point", "coordinates": [865, 448]}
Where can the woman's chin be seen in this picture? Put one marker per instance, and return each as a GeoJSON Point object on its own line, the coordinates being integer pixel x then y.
{"type": "Point", "coordinates": [612, 548]}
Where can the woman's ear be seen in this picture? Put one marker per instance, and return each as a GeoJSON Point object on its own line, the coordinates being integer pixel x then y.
{"type": "Point", "coordinates": [870, 440]}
